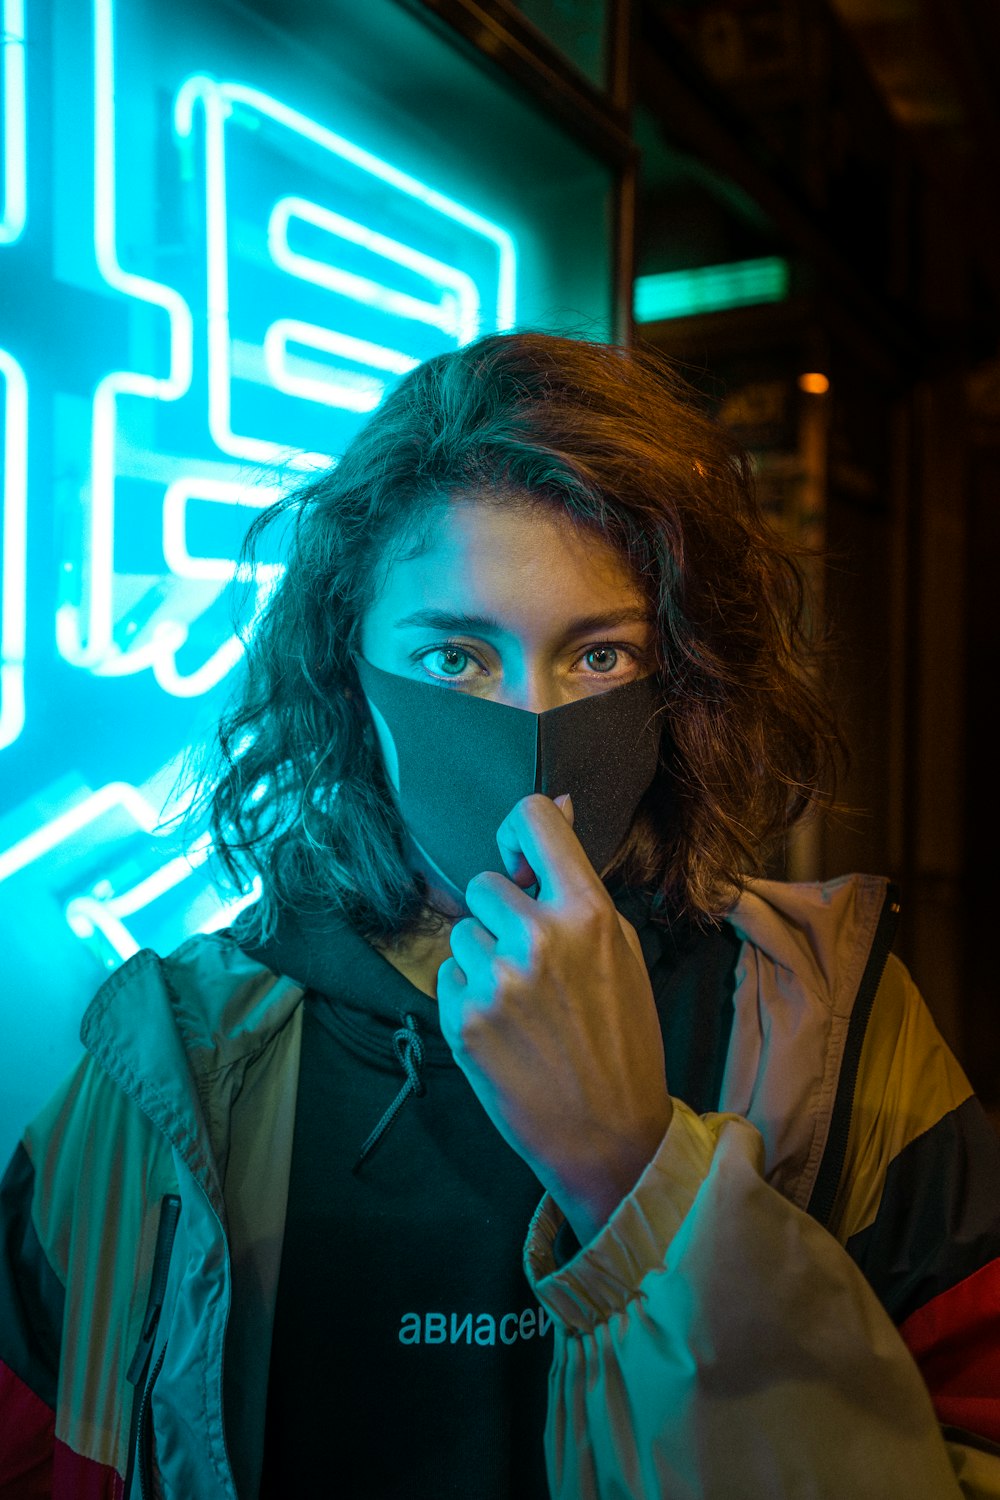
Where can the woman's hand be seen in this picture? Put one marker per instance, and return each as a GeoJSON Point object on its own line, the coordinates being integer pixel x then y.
{"type": "Point", "coordinates": [547, 1006]}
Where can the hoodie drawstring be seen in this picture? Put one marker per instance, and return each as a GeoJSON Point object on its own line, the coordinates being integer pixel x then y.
{"type": "Point", "coordinates": [409, 1049]}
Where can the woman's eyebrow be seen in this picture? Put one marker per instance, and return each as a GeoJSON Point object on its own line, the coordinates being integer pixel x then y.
{"type": "Point", "coordinates": [444, 619]}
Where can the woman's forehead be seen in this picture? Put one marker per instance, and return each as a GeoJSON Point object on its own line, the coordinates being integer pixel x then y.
{"type": "Point", "coordinates": [497, 542]}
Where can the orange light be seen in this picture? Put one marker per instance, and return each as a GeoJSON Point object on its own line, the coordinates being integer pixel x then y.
{"type": "Point", "coordinates": [814, 383]}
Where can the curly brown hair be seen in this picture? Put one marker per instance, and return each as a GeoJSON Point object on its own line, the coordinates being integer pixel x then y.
{"type": "Point", "coordinates": [616, 439]}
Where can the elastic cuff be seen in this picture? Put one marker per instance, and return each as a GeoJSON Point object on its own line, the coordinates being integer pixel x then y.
{"type": "Point", "coordinates": [605, 1275]}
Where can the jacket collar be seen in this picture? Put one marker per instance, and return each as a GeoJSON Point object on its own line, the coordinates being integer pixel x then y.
{"type": "Point", "coordinates": [819, 932]}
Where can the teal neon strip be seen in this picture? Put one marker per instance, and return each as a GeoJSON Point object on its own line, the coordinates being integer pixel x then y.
{"type": "Point", "coordinates": [457, 312]}
{"type": "Point", "coordinates": [13, 126]}
{"type": "Point", "coordinates": [220, 570]}
{"type": "Point", "coordinates": [15, 553]}
{"type": "Point", "coordinates": [116, 795]}
{"type": "Point", "coordinates": [507, 280]}
{"type": "Point", "coordinates": [352, 390]}
{"type": "Point", "coordinates": [89, 915]}
{"type": "Point", "coordinates": [681, 294]}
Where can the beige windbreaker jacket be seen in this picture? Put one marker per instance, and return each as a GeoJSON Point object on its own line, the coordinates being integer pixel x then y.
{"type": "Point", "coordinates": [717, 1340]}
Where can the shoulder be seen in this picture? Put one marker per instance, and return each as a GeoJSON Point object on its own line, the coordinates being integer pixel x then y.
{"type": "Point", "coordinates": [159, 1033]}
{"type": "Point", "coordinates": [206, 999]}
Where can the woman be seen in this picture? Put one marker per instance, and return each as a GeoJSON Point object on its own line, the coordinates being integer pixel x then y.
{"type": "Point", "coordinates": [516, 731]}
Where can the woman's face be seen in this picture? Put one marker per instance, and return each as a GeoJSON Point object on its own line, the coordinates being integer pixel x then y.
{"type": "Point", "coordinates": [512, 603]}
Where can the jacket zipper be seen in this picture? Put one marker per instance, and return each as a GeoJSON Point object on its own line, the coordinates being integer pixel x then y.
{"type": "Point", "coordinates": [142, 1442]}
{"type": "Point", "coordinates": [828, 1177]}
{"type": "Point", "coordinates": [170, 1209]}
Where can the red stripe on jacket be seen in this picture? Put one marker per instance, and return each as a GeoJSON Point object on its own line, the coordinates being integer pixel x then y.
{"type": "Point", "coordinates": [27, 1436]}
{"type": "Point", "coordinates": [955, 1340]}
{"type": "Point", "coordinates": [34, 1464]}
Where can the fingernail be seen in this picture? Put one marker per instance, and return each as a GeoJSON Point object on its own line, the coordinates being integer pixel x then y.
{"type": "Point", "coordinates": [562, 800]}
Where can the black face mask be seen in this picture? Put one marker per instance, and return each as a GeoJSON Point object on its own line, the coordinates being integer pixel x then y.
{"type": "Point", "coordinates": [464, 762]}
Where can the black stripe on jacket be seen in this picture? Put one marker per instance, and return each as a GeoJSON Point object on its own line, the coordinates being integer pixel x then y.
{"type": "Point", "coordinates": [32, 1297]}
{"type": "Point", "coordinates": [938, 1220]}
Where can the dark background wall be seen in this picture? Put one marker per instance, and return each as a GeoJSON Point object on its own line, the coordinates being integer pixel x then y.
{"type": "Point", "coordinates": [859, 141]}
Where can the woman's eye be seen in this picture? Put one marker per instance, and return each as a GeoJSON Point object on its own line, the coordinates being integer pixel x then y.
{"type": "Point", "coordinates": [446, 652]}
{"type": "Point", "coordinates": [455, 657]}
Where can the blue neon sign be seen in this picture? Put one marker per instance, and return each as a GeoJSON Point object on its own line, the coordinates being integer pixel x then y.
{"type": "Point", "coordinates": [238, 282]}
{"type": "Point", "coordinates": [291, 340]}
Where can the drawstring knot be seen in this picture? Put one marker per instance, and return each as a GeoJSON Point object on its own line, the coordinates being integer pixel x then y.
{"type": "Point", "coordinates": [408, 1046]}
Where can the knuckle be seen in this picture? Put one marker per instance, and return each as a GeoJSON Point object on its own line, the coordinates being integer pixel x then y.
{"type": "Point", "coordinates": [604, 908]}
{"type": "Point", "coordinates": [594, 913]}
{"type": "Point", "coordinates": [537, 943]}
{"type": "Point", "coordinates": [506, 974]}
{"type": "Point", "coordinates": [471, 1027]}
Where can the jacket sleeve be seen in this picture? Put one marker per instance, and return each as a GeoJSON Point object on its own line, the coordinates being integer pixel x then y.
{"type": "Point", "coordinates": [32, 1297]}
{"type": "Point", "coordinates": [715, 1340]}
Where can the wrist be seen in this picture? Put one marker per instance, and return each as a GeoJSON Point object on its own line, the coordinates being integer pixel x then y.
{"type": "Point", "coordinates": [589, 1207]}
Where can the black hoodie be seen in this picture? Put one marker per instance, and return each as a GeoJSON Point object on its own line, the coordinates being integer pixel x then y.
{"type": "Point", "coordinates": [409, 1357]}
